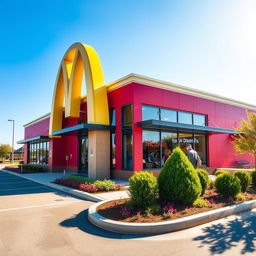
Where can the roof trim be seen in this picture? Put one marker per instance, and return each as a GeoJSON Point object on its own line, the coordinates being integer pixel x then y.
{"type": "Point", "coordinates": [135, 78]}
{"type": "Point", "coordinates": [32, 139]}
{"type": "Point", "coordinates": [83, 126]}
{"type": "Point", "coordinates": [144, 80]}
{"type": "Point", "coordinates": [37, 120]}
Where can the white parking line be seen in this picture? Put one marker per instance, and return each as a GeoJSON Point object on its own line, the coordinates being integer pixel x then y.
{"type": "Point", "coordinates": [38, 206]}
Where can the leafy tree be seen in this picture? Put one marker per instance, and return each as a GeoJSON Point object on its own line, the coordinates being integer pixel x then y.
{"type": "Point", "coordinates": [245, 140]}
{"type": "Point", "coordinates": [5, 150]}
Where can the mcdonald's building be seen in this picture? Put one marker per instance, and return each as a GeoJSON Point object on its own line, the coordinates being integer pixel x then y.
{"type": "Point", "coordinates": [129, 125]}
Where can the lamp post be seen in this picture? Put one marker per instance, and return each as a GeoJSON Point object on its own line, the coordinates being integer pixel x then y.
{"type": "Point", "coordinates": [11, 120]}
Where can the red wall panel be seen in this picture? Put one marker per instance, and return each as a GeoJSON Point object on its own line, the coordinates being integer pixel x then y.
{"type": "Point", "coordinates": [221, 151]}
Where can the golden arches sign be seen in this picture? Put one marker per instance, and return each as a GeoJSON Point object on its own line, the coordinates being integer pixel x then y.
{"type": "Point", "coordinates": [79, 59]}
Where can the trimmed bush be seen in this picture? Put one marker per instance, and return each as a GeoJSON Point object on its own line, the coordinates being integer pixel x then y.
{"type": "Point", "coordinates": [245, 179]}
{"type": "Point", "coordinates": [227, 184]}
{"type": "Point", "coordinates": [240, 197]}
{"type": "Point", "coordinates": [212, 184]}
{"type": "Point", "coordinates": [253, 175]}
{"type": "Point", "coordinates": [79, 179]}
{"type": "Point", "coordinates": [200, 203]}
{"type": "Point", "coordinates": [105, 185]}
{"type": "Point", "coordinates": [220, 172]}
{"type": "Point", "coordinates": [178, 181]}
{"type": "Point", "coordinates": [143, 189]}
{"type": "Point", "coordinates": [34, 168]}
{"type": "Point", "coordinates": [204, 179]}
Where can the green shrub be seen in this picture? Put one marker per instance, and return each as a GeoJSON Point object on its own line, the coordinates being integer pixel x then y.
{"type": "Point", "coordinates": [240, 197]}
{"type": "Point", "coordinates": [253, 175]}
{"type": "Point", "coordinates": [143, 189]}
{"type": "Point", "coordinates": [204, 179]}
{"type": "Point", "coordinates": [28, 167]}
{"type": "Point", "coordinates": [200, 203]}
{"type": "Point", "coordinates": [178, 181]}
{"type": "Point", "coordinates": [153, 209]}
{"type": "Point", "coordinates": [105, 185]}
{"type": "Point", "coordinates": [212, 184]}
{"type": "Point", "coordinates": [245, 179]}
{"type": "Point", "coordinates": [220, 172]}
{"type": "Point", "coordinates": [80, 179]}
{"type": "Point", "coordinates": [227, 184]}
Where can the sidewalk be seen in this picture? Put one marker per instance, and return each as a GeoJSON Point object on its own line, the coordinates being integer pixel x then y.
{"type": "Point", "coordinates": [47, 178]}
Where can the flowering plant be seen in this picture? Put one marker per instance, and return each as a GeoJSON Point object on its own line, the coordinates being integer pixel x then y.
{"type": "Point", "coordinates": [168, 209]}
{"type": "Point", "coordinates": [211, 201]}
{"type": "Point", "coordinates": [125, 211]}
{"type": "Point", "coordinates": [88, 187]}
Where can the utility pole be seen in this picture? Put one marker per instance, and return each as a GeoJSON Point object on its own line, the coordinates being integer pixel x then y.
{"type": "Point", "coordinates": [11, 120]}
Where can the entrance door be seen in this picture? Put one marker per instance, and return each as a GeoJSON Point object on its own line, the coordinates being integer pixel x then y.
{"type": "Point", "coordinates": [83, 154]}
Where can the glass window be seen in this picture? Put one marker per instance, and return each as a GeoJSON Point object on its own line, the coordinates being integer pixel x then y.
{"type": "Point", "coordinates": [168, 115]}
{"type": "Point", "coordinates": [184, 117]}
{"type": "Point", "coordinates": [127, 138]}
{"type": "Point", "coordinates": [151, 150]}
{"type": "Point", "coordinates": [127, 115]}
{"type": "Point", "coordinates": [149, 112]}
{"type": "Point", "coordinates": [38, 152]}
{"type": "Point", "coordinates": [33, 153]}
{"type": "Point", "coordinates": [184, 139]}
{"type": "Point", "coordinates": [47, 152]}
{"type": "Point", "coordinates": [198, 119]}
{"type": "Point", "coordinates": [169, 142]}
{"type": "Point", "coordinates": [156, 154]}
{"type": "Point", "coordinates": [200, 146]}
{"type": "Point", "coordinates": [113, 117]}
{"type": "Point", "coordinates": [127, 149]}
{"type": "Point", "coordinates": [113, 151]}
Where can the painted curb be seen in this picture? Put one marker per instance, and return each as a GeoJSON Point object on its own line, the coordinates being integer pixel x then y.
{"type": "Point", "coordinates": [74, 192]}
{"type": "Point", "coordinates": [165, 226]}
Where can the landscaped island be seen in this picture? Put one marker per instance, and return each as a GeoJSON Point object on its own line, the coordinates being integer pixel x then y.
{"type": "Point", "coordinates": [89, 185]}
{"type": "Point", "coordinates": [179, 191]}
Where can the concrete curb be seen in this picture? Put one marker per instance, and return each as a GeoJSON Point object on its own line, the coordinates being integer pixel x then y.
{"type": "Point", "coordinates": [71, 191]}
{"type": "Point", "coordinates": [165, 226]}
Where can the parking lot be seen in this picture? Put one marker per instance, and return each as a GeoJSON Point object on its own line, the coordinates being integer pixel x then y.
{"type": "Point", "coordinates": [18, 193]}
{"type": "Point", "coordinates": [37, 220]}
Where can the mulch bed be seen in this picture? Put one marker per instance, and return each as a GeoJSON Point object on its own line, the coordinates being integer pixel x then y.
{"type": "Point", "coordinates": [112, 209]}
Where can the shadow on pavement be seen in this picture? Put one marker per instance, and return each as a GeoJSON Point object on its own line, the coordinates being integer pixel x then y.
{"type": "Point", "coordinates": [81, 221]}
{"type": "Point", "coordinates": [223, 237]}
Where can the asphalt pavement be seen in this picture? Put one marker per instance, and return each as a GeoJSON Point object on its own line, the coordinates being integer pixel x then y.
{"type": "Point", "coordinates": [37, 220]}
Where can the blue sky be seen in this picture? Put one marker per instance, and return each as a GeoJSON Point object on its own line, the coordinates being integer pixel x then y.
{"type": "Point", "coordinates": [205, 44]}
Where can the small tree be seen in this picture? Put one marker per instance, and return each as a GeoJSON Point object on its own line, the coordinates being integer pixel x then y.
{"type": "Point", "coordinates": [5, 150]}
{"type": "Point", "coordinates": [245, 140]}
{"type": "Point", "coordinates": [178, 181]}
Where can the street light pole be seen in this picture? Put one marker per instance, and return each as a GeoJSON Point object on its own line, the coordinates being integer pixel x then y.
{"type": "Point", "coordinates": [11, 120]}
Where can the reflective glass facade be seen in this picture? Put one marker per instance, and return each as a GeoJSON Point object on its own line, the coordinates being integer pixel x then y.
{"type": "Point", "coordinates": [38, 152]}
{"type": "Point", "coordinates": [158, 146]}
{"type": "Point", "coordinates": [127, 152]}
{"type": "Point", "coordinates": [170, 115]}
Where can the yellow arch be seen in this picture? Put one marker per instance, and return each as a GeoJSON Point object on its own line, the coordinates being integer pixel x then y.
{"type": "Point", "coordinates": [79, 58]}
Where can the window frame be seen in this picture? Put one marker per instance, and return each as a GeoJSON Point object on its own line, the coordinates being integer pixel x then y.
{"type": "Point", "coordinates": [126, 130]}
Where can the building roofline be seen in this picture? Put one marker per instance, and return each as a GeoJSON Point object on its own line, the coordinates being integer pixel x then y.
{"type": "Point", "coordinates": [144, 80]}
{"type": "Point", "coordinates": [135, 78]}
{"type": "Point", "coordinates": [37, 120]}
